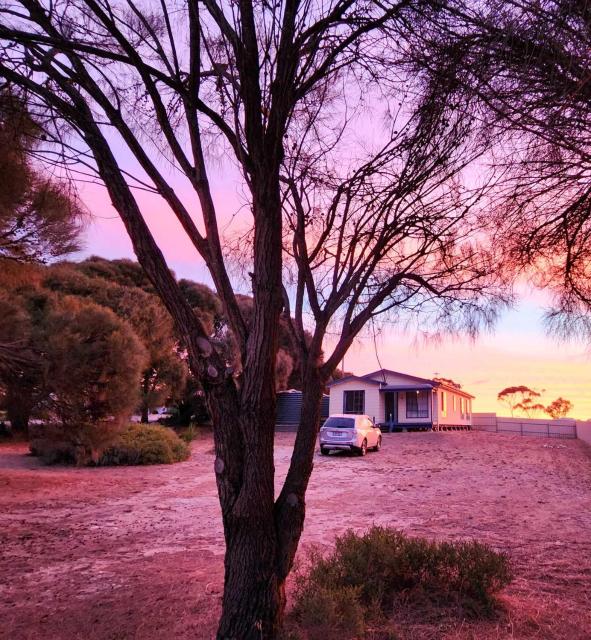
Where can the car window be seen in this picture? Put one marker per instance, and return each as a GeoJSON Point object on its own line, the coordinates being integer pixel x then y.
{"type": "Point", "coordinates": [340, 423]}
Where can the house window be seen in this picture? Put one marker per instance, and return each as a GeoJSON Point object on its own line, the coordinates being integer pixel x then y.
{"type": "Point", "coordinates": [443, 405]}
{"type": "Point", "coordinates": [462, 406]}
{"type": "Point", "coordinates": [354, 401]}
{"type": "Point", "coordinates": [417, 404]}
{"type": "Point", "coordinates": [453, 403]}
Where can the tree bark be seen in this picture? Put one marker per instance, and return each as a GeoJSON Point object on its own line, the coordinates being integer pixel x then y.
{"type": "Point", "coordinates": [18, 411]}
{"type": "Point", "coordinates": [262, 537]}
{"type": "Point", "coordinates": [254, 599]}
{"type": "Point", "coordinates": [145, 408]}
{"type": "Point", "coordinates": [290, 507]}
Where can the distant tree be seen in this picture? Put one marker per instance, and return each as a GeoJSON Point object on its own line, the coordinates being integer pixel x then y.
{"type": "Point", "coordinates": [559, 408]}
{"type": "Point", "coordinates": [104, 353]}
{"type": "Point", "coordinates": [40, 217]}
{"type": "Point", "coordinates": [93, 361]}
{"type": "Point", "coordinates": [99, 280]}
{"type": "Point", "coordinates": [283, 369]}
{"type": "Point", "coordinates": [521, 398]}
{"type": "Point", "coordinates": [122, 271]}
{"type": "Point", "coordinates": [85, 361]}
{"type": "Point", "coordinates": [21, 381]}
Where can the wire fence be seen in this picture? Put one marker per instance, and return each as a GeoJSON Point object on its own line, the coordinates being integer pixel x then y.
{"type": "Point", "coordinates": [564, 428]}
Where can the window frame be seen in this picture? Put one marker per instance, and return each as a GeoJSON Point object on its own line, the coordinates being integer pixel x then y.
{"type": "Point", "coordinates": [417, 412]}
{"type": "Point", "coordinates": [358, 401]}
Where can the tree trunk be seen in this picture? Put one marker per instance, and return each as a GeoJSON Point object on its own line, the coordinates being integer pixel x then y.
{"type": "Point", "coordinates": [290, 508]}
{"type": "Point", "coordinates": [254, 595]}
{"type": "Point", "coordinates": [253, 601]}
{"type": "Point", "coordinates": [19, 421]}
{"type": "Point", "coordinates": [18, 411]}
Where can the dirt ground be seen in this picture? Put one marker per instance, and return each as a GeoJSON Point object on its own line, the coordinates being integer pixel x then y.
{"type": "Point", "coordinates": [137, 553]}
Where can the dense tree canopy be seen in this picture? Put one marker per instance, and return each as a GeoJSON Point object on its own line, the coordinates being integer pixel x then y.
{"type": "Point", "coordinates": [40, 217]}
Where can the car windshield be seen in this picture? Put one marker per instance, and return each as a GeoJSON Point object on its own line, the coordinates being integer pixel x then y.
{"type": "Point", "coordinates": [340, 423]}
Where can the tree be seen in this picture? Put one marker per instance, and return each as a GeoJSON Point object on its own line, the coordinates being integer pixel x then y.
{"type": "Point", "coordinates": [559, 408]}
{"type": "Point", "coordinates": [521, 398]}
{"type": "Point", "coordinates": [107, 357]}
{"type": "Point", "coordinates": [521, 69]}
{"type": "Point", "coordinates": [341, 229]}
{"type": "Point", "coordinates": [20, 374]}
{"type": "Point", "coordinates": [66, 334]}
{"type": "Point", "coordinates": [40, 217]}
{"type": "Point", "coordinates": [165, 372]}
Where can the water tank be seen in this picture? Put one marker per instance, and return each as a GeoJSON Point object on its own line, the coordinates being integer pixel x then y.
{"type": "Point", "coordinates": [289, 409]}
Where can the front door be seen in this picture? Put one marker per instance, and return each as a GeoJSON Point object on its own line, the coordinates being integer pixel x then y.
{"type": "Point", "coordinates": [391, 417]}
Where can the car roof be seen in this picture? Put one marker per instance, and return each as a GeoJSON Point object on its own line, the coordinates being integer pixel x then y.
{"type": "Point", "coordinates": [348, 415]}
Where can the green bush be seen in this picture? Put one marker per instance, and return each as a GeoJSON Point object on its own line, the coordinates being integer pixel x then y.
{"type": "Point", "coordinates": [145, 444]}
{"type": "Point", "coordinates": [375, 568]}
{"type": "Point", "coordinates": [329, 612]}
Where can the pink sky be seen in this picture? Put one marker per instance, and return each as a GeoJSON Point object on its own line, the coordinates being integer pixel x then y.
{"type": "Point", "coordinates": [518, 352]}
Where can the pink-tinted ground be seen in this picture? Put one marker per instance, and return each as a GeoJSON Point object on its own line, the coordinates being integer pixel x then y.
{"type": "Point", "coordinates": [137, 554]}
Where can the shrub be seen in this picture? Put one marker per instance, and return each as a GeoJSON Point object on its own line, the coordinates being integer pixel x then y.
{"type": "Point", "coordinates": [375, 568]}
{"type": "Point", "coordinates": [329, 612]}
{"type": "Point", "coordinates": [56, 443]}
{"type": "Point", "coordinates": [145, 444]}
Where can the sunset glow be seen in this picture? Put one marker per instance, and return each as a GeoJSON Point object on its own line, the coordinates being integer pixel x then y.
{"type": "Point", "coordinates": [519, 351]}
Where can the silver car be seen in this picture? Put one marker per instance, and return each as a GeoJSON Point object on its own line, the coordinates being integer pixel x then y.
{"type": "Point", "coordinates": [350, 433]}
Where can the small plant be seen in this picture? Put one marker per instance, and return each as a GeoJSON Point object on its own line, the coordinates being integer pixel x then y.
{"type": "Point", "coordinates": [372, 570]}
{"type": "Point", "coordinates": [145, 444]}
{"type": "Point", "coordinates": [190, 433]}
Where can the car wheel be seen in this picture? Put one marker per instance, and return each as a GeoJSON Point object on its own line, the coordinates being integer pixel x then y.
{"type": "Point", "coordinates": [324, 451]}
{"type": "Point", "coordinates": [363, 449]}
{"type": "Point", "coordinates": [379, 444]}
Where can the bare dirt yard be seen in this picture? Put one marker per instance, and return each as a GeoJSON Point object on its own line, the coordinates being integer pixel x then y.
{"type": "Point", "coordinates": [137, 553]}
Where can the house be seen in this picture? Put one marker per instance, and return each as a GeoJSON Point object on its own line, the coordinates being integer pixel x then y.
{"type": "Point", "coordinates": [398, 401]}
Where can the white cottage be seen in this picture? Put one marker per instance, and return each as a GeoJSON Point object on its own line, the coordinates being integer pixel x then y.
{"type": "Point", "coordinates": [399, 401]}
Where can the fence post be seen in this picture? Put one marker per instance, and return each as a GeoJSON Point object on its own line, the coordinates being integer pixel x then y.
{"type": "Point", "coordinates": [548, 429]}
{"type": "Point", "coordinates": [521, 427]}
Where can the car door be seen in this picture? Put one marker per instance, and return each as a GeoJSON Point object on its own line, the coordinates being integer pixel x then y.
{"type": "Point", "coordinates": [369, 433]}
{"type": "Point", "coordinates": [373, 433]}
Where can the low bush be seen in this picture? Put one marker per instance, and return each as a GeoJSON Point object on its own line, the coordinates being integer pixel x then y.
{"type": "Point", "coordinates": [330, 612]}
{"type": "Point", "coordinates": [375, 570]}
{"type": "Point", "coordinates": [145, 444]}
{"type": "Point", "coordinates": [55, 443]}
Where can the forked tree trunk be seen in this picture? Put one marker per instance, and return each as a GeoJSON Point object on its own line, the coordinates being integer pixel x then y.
{"type": "Point", "coordinates": [262, 537]}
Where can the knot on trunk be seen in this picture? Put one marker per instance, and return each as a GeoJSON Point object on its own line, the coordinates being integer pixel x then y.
{"type": "Point", "coordinates": [219, 465]}
{"type": "Point", "coordinates": [292, 500]}
{"type": "Point", "coordinates": [204, 347]}
{"type": "Point", "coordinates": [212, 372]}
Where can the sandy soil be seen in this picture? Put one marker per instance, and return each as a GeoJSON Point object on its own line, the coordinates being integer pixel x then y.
{"type": "Point", "coordinates": [137, 553]}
